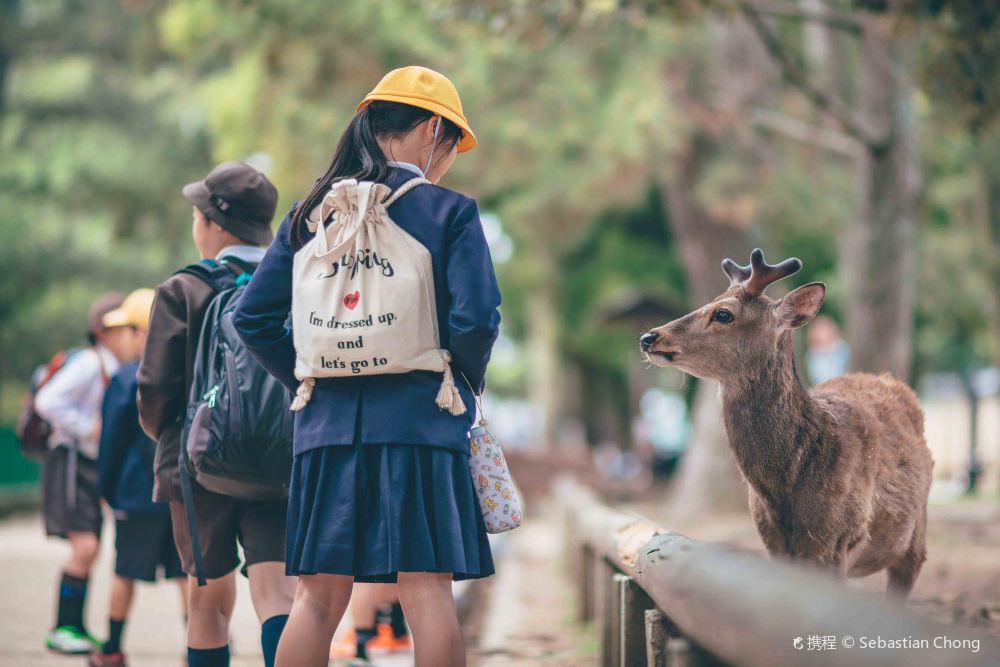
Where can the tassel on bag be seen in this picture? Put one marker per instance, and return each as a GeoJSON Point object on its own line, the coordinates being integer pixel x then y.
{"type": "Point", "coordinates": [448, 397]}
{"type": "Point", "coordinates": [303, 394]}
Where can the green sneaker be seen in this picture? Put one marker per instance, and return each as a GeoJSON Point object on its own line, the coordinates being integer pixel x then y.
{"type": "Point", "coordinates": [70, 641]}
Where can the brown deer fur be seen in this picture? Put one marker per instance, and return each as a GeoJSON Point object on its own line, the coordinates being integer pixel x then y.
{"type": "Point", "coordinates": [839, 474]}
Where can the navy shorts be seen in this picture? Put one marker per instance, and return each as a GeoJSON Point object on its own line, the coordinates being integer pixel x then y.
{"type": "Point", "coordinates": [144, 543]}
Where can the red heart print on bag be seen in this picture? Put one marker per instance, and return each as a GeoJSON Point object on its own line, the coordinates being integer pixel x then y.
{"type": "Point", "coordinates": [351, 300]}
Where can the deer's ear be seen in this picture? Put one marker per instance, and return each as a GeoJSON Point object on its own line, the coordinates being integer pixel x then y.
{"type": "Point", "coordinates": [801, 305]}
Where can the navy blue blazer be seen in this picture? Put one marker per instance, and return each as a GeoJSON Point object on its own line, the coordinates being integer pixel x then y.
{"type": "Point", "coordinates": [395, 408]}
{"type": "Point", "coordinates": [125, 457]}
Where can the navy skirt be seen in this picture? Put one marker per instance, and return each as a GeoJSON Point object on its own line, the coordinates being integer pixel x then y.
{"type": "Point", "coordinates": [372, 511]}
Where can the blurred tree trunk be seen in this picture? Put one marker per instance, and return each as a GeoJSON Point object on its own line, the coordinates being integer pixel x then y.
{"type": "Point", "coordinates": [877, 254]}
{"type": "Point", "coordinates": [544, 376]}
{"type": "Point", "coordinates": [598, 395]}
{"type": "Point", "coordinates": [707, 480]}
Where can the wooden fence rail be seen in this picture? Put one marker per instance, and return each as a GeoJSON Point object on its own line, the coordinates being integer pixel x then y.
{"type": "Point", "coordinates": [660, 599]}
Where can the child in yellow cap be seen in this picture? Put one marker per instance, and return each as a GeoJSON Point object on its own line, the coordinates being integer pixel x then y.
{"type": "Point", "coordinates": [144, 541]}
{"type": "Point", "coordinates": [381, 490]}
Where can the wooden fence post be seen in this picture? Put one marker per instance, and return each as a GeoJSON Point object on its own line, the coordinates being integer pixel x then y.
{"type": "Point", "coordinates": [586, 584]}
{"type": "Point", "coordinates": [617, 582]}
{"type": "Point", "coordinates": [632, 641]}
{"type": "Point", "coordinates": [606, 598]}
{"type": "Point", "coordinates": [657, 639]}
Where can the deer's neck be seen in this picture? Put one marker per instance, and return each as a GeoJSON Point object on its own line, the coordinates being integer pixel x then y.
{"type": "Point", "coordinates": [767, 415]}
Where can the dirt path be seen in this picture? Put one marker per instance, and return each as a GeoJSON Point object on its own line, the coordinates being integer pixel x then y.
{"type": "Point", "coordinates": [529, 613]}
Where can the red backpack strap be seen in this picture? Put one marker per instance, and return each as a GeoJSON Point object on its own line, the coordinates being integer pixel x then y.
{"type": "Point", "coordinates": [105, 378]}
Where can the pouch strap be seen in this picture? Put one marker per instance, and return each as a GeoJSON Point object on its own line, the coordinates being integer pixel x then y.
{"type": "Point", "coordinates": [479, 401]}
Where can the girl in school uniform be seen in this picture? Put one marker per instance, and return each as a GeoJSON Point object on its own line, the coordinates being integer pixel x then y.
{"type": "Point", "coordinates": [380, 488]}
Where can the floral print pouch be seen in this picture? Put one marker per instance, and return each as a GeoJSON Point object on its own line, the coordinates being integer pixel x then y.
{"type": "Point", "coordinates": [497, 496]}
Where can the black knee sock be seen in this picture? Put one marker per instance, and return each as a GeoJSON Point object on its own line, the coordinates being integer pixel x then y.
{"type": "Point", "coordinates": [208, 657]}
{"type": "Point", "coordinates": [270, 633]}
{"type": "Point", "coordinates": [363, 635]}
{"type": "Point", "coordinates": [72, 596]}
{"type": "Point", "coordinates": [114, 643]}
{"type": "Point", "coordinates": [397, 620]}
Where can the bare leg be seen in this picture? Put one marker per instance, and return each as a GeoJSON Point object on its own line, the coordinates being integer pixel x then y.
{"type": "Point", "coordinates": [210, 609]}
{"type": "Point", "coordinates": [122, 591]}
{"type": "Point", "coordinates": [182, 588]}
{"type": "Point", "coordinates": [430, 609]}
{"type": "Point", "coordinates": [270, 590]}
{"type": "Point", "coordinates": [320, 601]}
{"type": "Point", "coordinates": [84, 548]}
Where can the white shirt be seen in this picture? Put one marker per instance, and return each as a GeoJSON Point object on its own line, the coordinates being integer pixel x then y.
{"type": "Point", "coordinates": [409, 166]}
{"type": "Point", "coordinates": [250, 254]}
{"type": "Point", "coordinates": [71, 400]}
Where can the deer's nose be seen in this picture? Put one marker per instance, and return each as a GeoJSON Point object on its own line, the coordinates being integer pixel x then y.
{"type": "Point", "coordinates": [646, 340]}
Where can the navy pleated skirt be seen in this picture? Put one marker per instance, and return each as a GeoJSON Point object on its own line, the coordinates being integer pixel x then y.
{"type": "Point", "coordinates": [372, 511]}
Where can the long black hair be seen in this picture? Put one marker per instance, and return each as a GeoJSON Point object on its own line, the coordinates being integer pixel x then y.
{"type": "Point", "coordinates": [359, 156]}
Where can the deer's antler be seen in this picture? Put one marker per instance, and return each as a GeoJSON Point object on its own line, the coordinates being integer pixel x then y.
{"type": "Point", "coordinates": [756, 276]}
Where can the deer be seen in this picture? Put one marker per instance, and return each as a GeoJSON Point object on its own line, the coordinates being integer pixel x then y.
{"type": "Point", "coordinates": [838, 475]}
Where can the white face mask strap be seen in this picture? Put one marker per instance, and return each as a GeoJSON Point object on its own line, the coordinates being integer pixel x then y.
{"type": "Point", "coordinates": [430, 158]}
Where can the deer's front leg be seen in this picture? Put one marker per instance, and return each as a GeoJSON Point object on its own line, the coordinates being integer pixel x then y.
{"type": "Point", "coordinates": [767, 527]}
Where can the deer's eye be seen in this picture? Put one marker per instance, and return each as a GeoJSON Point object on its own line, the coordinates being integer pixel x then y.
{"type": "Point", "coordinates": [722, 316]}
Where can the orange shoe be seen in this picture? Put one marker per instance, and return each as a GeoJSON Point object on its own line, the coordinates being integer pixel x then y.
{"type": "Point", "coordinates": [384, 640]}
{"type": "Point", "coordinates": [344, 646]}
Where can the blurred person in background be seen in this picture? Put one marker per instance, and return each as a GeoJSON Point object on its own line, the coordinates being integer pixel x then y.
{"type": "Point", "coordinates": [71, 403]}
{"type": "Point", "coordinates": [828, 354]}
{"type": "Point", "coordinates": [379, 625]}
{"type": "Point", "coordinates": [144, 541]}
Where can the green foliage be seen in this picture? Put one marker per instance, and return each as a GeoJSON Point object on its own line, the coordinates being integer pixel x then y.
{"type": "Point", "coordinates": [94, 153]}
{"type": "Point", "coordinates": [107, 109]}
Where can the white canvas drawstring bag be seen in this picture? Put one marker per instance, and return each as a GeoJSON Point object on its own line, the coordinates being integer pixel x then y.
{"type": "Point", "coordinates": [363, 295]}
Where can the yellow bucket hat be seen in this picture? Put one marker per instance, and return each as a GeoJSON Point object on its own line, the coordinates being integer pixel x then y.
{"type": "Point", "coordinates": [134, 311]}
{"type": "Point", "coordinates": [424, 88]}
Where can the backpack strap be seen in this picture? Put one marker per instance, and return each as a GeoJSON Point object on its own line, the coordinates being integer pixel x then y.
{"type": "Point", "coordinates": [187, 495]}
{"type": "Point", "coordinates": [72, 468]}
{"type": "Point", "coordinates": [403, 189]}
{"type": "Point", "coordinates": [105, 378]}
{"type": "Point", "coordinates": [218, 275]}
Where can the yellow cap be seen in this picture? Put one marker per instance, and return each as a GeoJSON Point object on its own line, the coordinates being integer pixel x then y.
{"type": "Point", "coordinates": [424, 88]}
{"type": "Point", "coordinates": [134, 311]}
